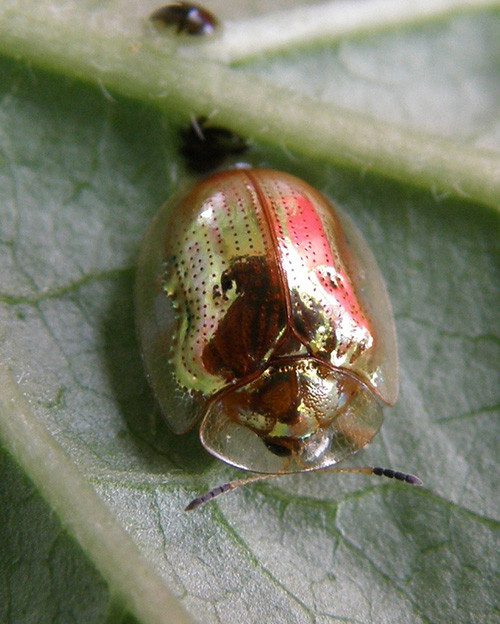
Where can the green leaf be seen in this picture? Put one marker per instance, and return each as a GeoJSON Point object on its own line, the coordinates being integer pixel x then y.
{"type": "Point", "coordinates": [399, 129]}
{"type": "Point", "coordinates": [81, 42]}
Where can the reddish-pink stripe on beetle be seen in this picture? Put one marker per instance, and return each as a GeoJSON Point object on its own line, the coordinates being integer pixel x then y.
{"type": "Point", "coordinates": [275, 317]}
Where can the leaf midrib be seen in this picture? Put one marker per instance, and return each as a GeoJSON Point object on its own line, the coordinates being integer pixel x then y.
{"type": "Point", "coordinates": [99, 533]}
{"type": "Point", "coordinates": [252, 107]}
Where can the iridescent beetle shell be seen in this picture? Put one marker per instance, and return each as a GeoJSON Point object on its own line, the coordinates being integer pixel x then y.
{"type": "Point", "coordinates": [263, 314]}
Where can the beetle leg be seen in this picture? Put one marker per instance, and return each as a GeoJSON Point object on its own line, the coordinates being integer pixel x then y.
{"type": "Point", "coordinates": [233, 485]}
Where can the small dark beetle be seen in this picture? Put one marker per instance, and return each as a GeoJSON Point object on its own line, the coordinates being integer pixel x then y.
{"type": "Point", "coordinates": [206, 147]}
{"type": "Point", "coordinates": [191, 19]}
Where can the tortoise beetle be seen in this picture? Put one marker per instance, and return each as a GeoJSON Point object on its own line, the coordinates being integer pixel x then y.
{"type": "Point", "coordinates": [262, 313]}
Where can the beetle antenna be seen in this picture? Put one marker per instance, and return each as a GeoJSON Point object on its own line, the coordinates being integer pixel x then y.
{"type": "Point", "coordinates": [228, 487]}
{"type": "Point", "coordinates": [366, 470]}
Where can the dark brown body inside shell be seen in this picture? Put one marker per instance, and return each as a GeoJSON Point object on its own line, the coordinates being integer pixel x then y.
{"type": "Point", "coordinates": [262, 310]}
